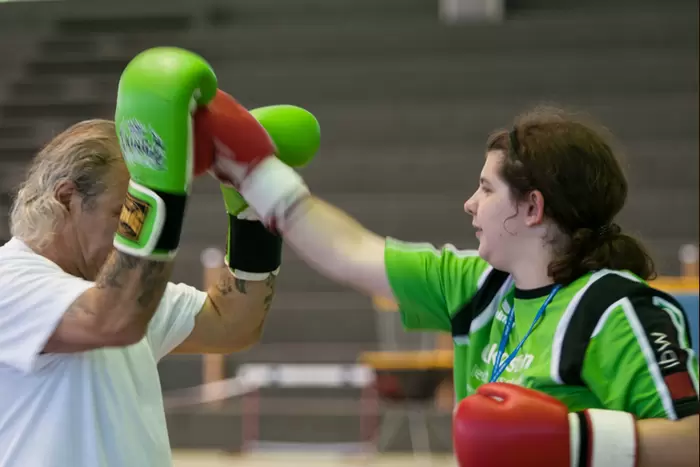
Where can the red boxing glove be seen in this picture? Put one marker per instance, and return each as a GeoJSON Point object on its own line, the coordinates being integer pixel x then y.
{"type": "Point", "coordinates": [225, 129]}
{"type": "Point", "coordinates": [234, 147]}
{"type": "Point", "coordinates": [504, 425]}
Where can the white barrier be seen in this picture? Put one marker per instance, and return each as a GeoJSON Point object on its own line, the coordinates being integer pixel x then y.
{"type": "Point", "coordinates": [251, 378]}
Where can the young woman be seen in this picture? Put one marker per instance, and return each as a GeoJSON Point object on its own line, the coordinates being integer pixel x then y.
{"type": "Point", "coordinates": [563, 354]}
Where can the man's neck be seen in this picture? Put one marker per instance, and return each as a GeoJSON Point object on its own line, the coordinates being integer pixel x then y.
{"type": "Point", "coordinates": [58, 252]}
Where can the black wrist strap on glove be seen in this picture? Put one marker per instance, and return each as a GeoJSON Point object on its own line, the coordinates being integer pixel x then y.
{"type": "Point", "coordinates": [253, 251]}
{"type": "Point", "coordinates": [175, 206]}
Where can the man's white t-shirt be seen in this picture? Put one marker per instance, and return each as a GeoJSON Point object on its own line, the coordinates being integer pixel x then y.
{"type": "Point", "coordinates": [101, 408]}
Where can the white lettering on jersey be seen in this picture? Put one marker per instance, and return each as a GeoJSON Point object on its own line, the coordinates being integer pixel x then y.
{"type": "Point", "coordinates": [520, 363]}
{"type": "Point", "coordinates": [667, 357]}
{"type": "Point", "coordinates": [502, 312]}
{"type": "Point", "coordinates": [500, 316]}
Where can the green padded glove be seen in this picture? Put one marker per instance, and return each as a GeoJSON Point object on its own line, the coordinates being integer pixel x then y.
{"type": "Point", "coordinates": [158, 92]}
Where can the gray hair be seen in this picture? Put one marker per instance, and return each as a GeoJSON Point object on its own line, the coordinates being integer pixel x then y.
{"type": "Point", "coordinates": [81, 154]}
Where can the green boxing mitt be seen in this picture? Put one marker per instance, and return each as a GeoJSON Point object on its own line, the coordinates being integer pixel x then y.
{"type": "Point", "coordinates": [158, 92]}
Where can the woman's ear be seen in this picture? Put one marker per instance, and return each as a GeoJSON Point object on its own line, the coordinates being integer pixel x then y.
{"type": "Point", "coordinates": [534, 208]}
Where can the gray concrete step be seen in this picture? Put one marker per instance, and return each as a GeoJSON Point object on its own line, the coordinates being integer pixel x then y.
{"type": "Point", "coordinates": [316, 317]}
{"type": "Point", "coordinates": [412, 122]}
{"type": "Point", "coordinates": [124, 23]}
{"type": "Point", "coordinates": [601, 5]}
{"type": "Point", "coordinates": [411, 37]}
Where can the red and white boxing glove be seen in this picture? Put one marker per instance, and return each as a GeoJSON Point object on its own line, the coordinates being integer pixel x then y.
{"type": "Point", "coordinates": [504, 425]}
{"type": "Point", "coordinates": [237, 150]}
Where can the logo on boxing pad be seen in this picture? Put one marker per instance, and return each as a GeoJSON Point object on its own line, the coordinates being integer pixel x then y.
{"type": "Point", "coordinates": [132, 218]}
{"type": "Point", "coordinates": [141, 145]}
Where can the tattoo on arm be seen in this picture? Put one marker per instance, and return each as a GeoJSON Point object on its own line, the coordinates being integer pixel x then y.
{"type": "Point", "coordinates": [270, 282]}
{"type": "Point", "coordinates": [154, 279]}
{"type": "Point", "coordinates": [146, 278]}
{"type": "Point", "coordinates": [110, 275]}
{"type": "Point", "coordinates": [117, 309]}
{"type": "Point", "coordinates": [228, 283]}
{"type": "Point", "coordinates": [239, 309]}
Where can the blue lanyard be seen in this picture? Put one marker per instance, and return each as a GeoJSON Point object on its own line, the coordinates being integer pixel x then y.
{"type": "Point", "coordinates": [498, 367]}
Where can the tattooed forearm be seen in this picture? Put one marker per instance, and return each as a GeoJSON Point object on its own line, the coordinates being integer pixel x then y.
{"type": "Point", "coordinates": [228, 283]}
{"type": "Point", "coordinates": [117, 310]}
{"type": "Point", "coordinates": [154, 279]}
{"type": "Point", "coordinates": [238, 296]}
{"type": "Point", "coordinates": [270, 283]}
{"type": "Point", "coordinates": [234, 315]}
{"type": "Point", "coordinates": [112, 272]}
{"type": "Point", "coordinates": [136, 281]}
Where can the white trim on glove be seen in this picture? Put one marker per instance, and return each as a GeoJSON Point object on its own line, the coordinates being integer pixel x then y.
{"type": "Point", "coordinates": [255, 276]}
{"type": "Point", "coordinates": [248, 215]}
{"type": "Point", "coordinates": [610, 438]}
{"type": "Point", "coordinates": [271, 189]}
{"type": "Point", "coordinates": [146, 251]}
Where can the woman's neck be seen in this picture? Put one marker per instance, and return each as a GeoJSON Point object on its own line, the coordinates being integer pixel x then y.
{"type": "Point", "coordinates": [529, 281]}
{"type": "Point", "coordinates": [532, 272]}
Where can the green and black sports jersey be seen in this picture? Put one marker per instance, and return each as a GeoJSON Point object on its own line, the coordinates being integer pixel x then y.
{"type": "Point", "coordinates": [607, 340]}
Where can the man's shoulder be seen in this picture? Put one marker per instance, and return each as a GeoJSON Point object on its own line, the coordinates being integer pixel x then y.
{"type": "Point", "coordinates": [18, 261]}
{"type": "Point", "coordinates": [16, 249]}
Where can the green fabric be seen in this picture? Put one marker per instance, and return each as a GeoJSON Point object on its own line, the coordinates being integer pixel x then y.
{"type": "Point", "coordinates": [432, 285]}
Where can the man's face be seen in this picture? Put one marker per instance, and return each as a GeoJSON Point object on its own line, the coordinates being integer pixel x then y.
{"type": "Point", "coordinates": [95, 221]}
{"type": "Point", "coordinates": [496, 218]}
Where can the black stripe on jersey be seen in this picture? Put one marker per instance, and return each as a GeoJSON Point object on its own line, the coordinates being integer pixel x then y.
{"type": "Point", "coordinates": [462, 320]}
{"type": "Point", "coordinates": [658, 327]}
{"type": "Point", "coordinates": [596, 299]}
{"type": "Point", "coordinates": [664, 339]}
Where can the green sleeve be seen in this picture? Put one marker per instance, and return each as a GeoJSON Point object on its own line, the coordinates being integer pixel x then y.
{"type": "Point", "coordinates": [639, 360]}
{"type": "Point", "coordinates": [430, 284]}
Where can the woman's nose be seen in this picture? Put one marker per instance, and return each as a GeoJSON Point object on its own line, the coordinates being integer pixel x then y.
{"type": "Point", "coordinates": [470, 206]}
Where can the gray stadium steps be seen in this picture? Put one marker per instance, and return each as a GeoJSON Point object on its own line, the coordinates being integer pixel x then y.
{"type": "Point", "coordinates": [306, 318]}
{"type": "Point", "coordinates": [410, 121]}
{"type": "Point", "coordinates": [244, 42]}
{"type": "Point", "coordinates": [575, 6]}
{"type": "Point", "coordinates": [391, 81]}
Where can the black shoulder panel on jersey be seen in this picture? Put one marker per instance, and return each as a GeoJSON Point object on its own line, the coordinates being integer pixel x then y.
{"type": "Point", "coordinates": [596, 299]}
{"type": "Point", "coordinates": [462, 320]}
{"type": "Point", "coordinates": [664, 339]}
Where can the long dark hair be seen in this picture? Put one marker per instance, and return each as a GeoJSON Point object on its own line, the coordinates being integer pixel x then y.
{"type": "Point", "coordinates": [583, 187]}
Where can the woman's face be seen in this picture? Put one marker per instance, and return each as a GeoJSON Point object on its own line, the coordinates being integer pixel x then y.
{"type": "Point", "coordinates": [502, 225]}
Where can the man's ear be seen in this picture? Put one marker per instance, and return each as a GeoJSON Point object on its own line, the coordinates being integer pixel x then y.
{"type": "Point", "coordinates": [534, 208]}
{"type": "Point", "coordinates": [66, 194]}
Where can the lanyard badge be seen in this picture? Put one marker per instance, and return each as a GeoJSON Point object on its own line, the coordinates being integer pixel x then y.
{"type": "Point", "coordinates": [499, 367]}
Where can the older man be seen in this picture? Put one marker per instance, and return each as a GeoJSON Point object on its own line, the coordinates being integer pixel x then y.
{"type": "Point", "coordinates": [86, 314]}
